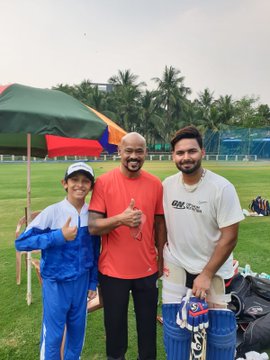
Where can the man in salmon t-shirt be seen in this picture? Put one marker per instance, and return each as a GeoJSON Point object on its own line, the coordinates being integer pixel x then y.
{"type": "Point", "coordinates": [126, 209]}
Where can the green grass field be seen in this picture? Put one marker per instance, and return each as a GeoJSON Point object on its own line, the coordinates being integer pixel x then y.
{"type": "Point", "coordinates": [20, 324]}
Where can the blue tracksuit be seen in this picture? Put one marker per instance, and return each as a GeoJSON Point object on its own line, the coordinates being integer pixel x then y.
{"type": "Point", "coordinates": [68, 270]}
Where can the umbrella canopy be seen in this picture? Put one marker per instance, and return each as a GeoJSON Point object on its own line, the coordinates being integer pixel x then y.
{"type": "Point", "coordinates": [42, 112]}
{"type": "Point", "coordinates": [59, 146]}
{"type": "Point", "coordinates": [28, 116]}
{"type": "Point", "coordinates": [52, 145]}
{"type": "Point", "coordinates": [25, 109]}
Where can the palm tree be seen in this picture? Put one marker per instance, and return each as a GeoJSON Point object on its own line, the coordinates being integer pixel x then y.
{"type": "Point", "coordinates": [263, 115]}
{"type": "Point", "coordinates": [124, 99]}
{"type": "Point", "coordinates": [203, 104]}
{"type": "Point", "coordinates": [225, 105]}
{"type": "Point", "coordinates": [213, 116]}
{"type": "Point", "coordinates": [97, 99]}
{"type": "Point", "coordinates": [245, 112]}
{"type": "Point", "coordinates": [125, 78]}
{"type": "Point", "coordinates": [171, 95]}
{"type": "Point", "coordinates": [190, 115]}
{"type": "Point", "coordinates": [83, 91]}
{"type": "Point", "coordinates": [150, 122]}
{"type": "Point", "coordinates": [67, 89]}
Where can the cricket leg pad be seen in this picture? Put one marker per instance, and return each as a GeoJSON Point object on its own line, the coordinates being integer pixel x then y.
{"type": "Point", "coordinates": [217, 297]}
{"type": "Point", "coordinates": [221, 335]}
{"type": "Point", "coordinates": [173, 280]}
{"type": "Point", "coordinates": [176, 340]}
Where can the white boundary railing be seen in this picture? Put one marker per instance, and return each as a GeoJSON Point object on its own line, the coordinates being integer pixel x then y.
{"type": "Point", "coordinates": [115, 157]}
{"type": "Point", "coordinates": [231, 157]}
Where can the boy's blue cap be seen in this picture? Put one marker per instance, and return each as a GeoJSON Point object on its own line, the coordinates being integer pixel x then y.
{"type": "Point", "coordinates": [81, 167]}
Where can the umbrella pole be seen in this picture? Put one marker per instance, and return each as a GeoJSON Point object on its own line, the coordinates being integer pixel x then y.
{"type": "Point", "coordinates": [29, 291]}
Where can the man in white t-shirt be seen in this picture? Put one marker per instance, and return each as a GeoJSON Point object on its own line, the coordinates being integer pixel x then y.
{"type": "Point", "coordinates": [202, 213]}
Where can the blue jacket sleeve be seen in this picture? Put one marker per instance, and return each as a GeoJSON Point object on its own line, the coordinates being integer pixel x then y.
{"type": "Point", "coordinates": [93, 272]}
{"type": "Point", "coordinates": [35, 239]}
{"type": "Point", "coordinates": [39, 233]}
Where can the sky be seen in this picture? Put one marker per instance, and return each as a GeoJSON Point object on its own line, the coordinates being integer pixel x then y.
{"type": "Point", "coordinates": [222, 45]}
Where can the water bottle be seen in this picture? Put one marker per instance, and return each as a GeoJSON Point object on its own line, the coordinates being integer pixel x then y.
{"type": "Point", "coordinates": [247, 269]}
{"type": "Point", "coordinates": [241, 270]}
{"type": "Point", "coordinates": [264, 276]}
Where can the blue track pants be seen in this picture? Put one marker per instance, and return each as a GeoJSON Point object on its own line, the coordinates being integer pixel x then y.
{"type": "Point", "coordinates": [64, 303]}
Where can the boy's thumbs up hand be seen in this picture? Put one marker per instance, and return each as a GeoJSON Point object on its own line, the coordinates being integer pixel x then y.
{"type": "Point", "coordinates": [69, 232]}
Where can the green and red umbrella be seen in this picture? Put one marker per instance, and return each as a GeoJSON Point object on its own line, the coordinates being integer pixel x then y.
{"type": "Point", "coordinates": [55, 121]}
{"type": "Point", "coordinates": [40, 122]}
{"type": "Point", "coordinates": [60, 146]}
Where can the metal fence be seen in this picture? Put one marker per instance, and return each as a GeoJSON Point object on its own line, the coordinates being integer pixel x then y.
{"type": "Point", "coordinates": [252, 142]}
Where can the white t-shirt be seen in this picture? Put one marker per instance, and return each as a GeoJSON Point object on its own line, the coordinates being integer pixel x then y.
{"type": "Point", "coordinates": [193, 219]}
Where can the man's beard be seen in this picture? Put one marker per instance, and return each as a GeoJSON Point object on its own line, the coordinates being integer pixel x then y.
{"type": "Point", "coordinates": [137, 168]}
{"type": "Point", "coordinates": [190, 170]}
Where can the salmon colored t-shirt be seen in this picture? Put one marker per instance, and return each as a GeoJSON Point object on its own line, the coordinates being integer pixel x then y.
{"type": "Point", "coordinates": [122, 255]}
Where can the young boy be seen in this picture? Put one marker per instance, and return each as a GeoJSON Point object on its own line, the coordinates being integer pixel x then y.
{"type": "Point", "coordinates": [68, 264]}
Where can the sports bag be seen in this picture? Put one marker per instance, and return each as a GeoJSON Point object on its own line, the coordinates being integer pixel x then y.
{"type": "Point", "coordinates": [251, 304]}
{"type": "Point", "coordinates": [256, 337]}
{"type": "Point", "coordinates": [260, 206]}
{"type": "Point", "coordinates": [250, 297]}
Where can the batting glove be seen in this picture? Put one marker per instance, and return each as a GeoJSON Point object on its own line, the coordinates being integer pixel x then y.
{"type": "Point", "coordinates": [193, 313]}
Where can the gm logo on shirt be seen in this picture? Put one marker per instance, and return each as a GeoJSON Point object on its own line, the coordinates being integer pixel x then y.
{"type": "Point", "coordinates": [181, 205]}
{"type": "Point", "coordinates": [178, 204]}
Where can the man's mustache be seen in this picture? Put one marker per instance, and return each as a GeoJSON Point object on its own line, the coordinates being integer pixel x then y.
{"type": "Point", "coordinates": [187, 162]}
{"type": "Point", "coordinates": [133, 160]}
